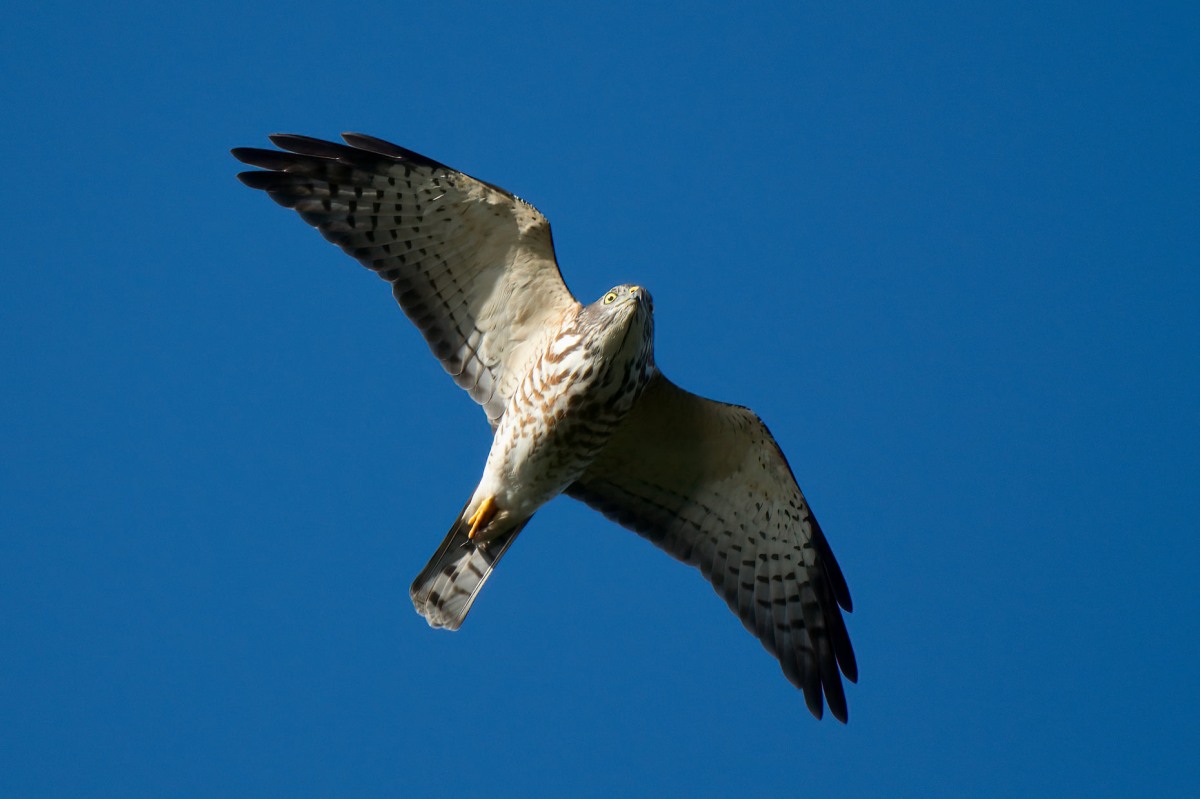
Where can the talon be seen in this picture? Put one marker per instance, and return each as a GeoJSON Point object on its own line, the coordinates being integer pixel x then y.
{"type": "Point", "coordinates": [481, 517]}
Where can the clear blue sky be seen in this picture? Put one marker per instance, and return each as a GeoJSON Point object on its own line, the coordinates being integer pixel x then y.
{"type": "Point", "coordinates": [949, 252]}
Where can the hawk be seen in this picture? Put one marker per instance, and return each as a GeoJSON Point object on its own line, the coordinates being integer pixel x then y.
{"type": "Point", "coordinates": [575, 400]}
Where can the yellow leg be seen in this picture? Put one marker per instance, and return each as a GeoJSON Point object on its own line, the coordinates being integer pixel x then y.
{"type": "Point", "coordinates": [481, 517]}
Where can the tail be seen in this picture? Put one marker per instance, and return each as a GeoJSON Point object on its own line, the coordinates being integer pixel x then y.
{"type": "Point", "coordinates": [445, 589]}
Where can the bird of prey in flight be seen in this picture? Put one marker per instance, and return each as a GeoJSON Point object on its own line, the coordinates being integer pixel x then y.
{"type": "Point", "coordinates": [576, 402]}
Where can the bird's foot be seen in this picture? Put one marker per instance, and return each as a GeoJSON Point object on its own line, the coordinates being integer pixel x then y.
{"type": "Point", "coordinates": [482, 516]}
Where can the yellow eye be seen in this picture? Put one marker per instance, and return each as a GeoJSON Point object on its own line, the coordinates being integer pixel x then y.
{"type": "Point", "coordinates": [610, 297]}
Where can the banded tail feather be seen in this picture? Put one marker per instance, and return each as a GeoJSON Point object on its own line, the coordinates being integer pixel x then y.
{"type": "Point", "coordinates": [446, 588]}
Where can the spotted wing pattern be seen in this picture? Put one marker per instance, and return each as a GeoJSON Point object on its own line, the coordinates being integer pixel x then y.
{"type": "Point", "coordinates": [471, 265]}
{"type": "Point", "coordinates": [706, 482]}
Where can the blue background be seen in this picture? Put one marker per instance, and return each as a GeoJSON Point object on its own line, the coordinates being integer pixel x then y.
{"type": "Point", "coordinates": [949, 252]}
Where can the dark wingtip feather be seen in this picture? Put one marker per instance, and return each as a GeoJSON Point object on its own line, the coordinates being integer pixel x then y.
{"type": "Point", "coordinates": [812, 698]}
{"type": "Point", "coordinates": [833, 571]}
{"type": "Point", "coordinates": [376, 145]}
{"type": "Point", "coordinates": [835, 694]}
{"type": "Point", "coordinates": [307, 145]}
{"type": "Point", "coordinates": [267, 159]}
{"type": "Point", "coordinates": [259, 180]}
{"type": "Point", "coordinates": [247, 155]}
{"type": "Point", "coordinates": [839, 710]}
{"type": "Point", "coordinates": [842, 650]}
{"type": "Point", "coordinates": [373, 144]}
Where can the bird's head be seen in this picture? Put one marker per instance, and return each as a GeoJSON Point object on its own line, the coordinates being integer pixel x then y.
{"type": "Point", "coordinates": [623, 319]}
{"type": "Point", "coordinates": [619, 308]}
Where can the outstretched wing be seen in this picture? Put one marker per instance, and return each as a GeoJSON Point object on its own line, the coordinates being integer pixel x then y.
{"type": "Point", "coordinates": [471, 265]}
{"type": "Point", "coordinates": [706, 482]}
